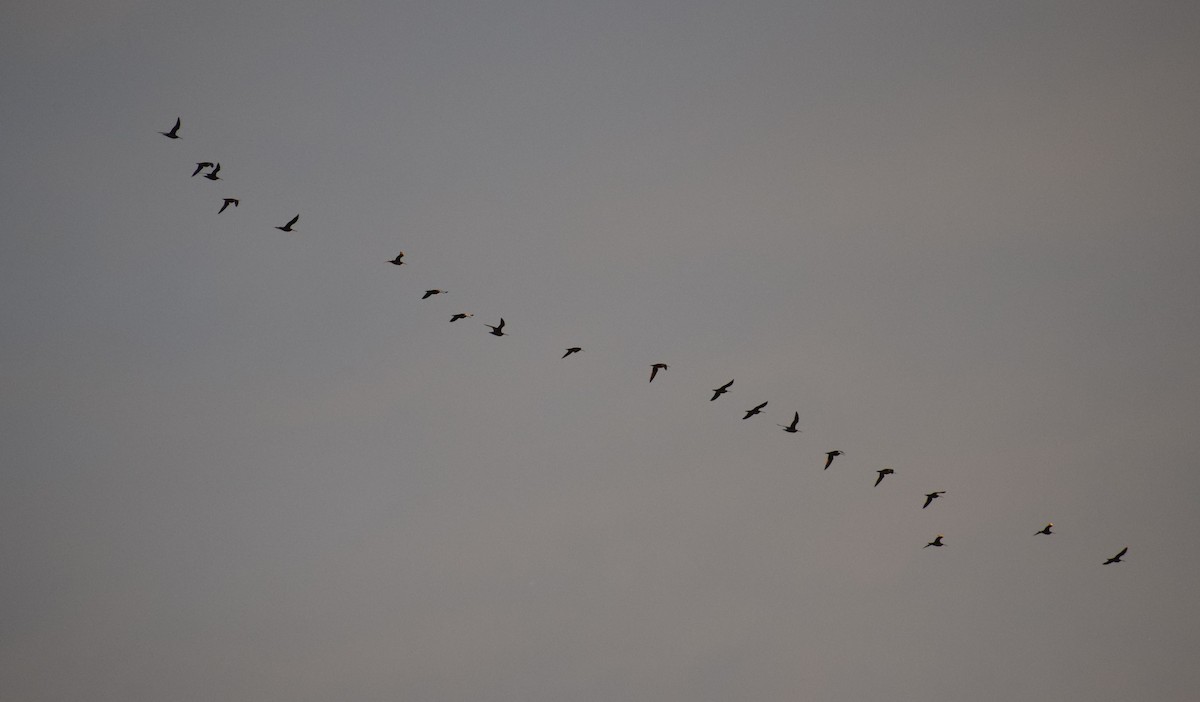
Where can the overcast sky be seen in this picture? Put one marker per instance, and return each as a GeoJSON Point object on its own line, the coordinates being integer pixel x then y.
{"type": "Point", "coordinates": [959, 238]}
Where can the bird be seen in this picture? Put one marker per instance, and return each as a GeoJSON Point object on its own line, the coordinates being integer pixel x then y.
{"type": "Point", "coordinates": [1044, 530]}
{"type": "Point", "coordinates": [1117, 558]}
{"type": "Point", "coordinates": [654, 368]}
{"type": "Point", "coordinates": [829, 456]}
{"type": "Point", "coordinates": [288, 227]}
{"type": "Point", "coordinates": [460, 315]}
{"type": "Point", "coordinates": [431, 293]}
{"type": "Point", "coordinates": [717, 392]}
{"type": "Point", "coordinates": [228, 201]}
{"type": "Point", "coordinates": [174, 133]}
{"type": "Point", "coordinates": [573, 349]}
{"type": "Point", "coordinates": [396, 261]}
{"type": "Point", "coordinates": [931, 497]}
{"type": "Point", "coordinates": [882, 472]}
{"type": "Point", "coordinates": [936, 542]}
{"type": "Point", "coordinates": [212, 175]}
{"type": "Point", "coordinates": [751, 412]}
{"type": "Point", "coordinates": [498, 330]}
{"type": "Point", "coordinates": [201, 166]}
{"type": "Point", "coordinates": [790, 428]}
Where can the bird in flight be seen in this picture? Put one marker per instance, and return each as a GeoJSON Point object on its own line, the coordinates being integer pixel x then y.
{"type": "Point", "coordinates": [461, 315]}
{"type": "Point", "coordinates": [174, 133]}
{"type": "Point", "coordinates": [931, 497]}
{"type": "Point", "coordinates": [654, 368]}
{"type": "Point", "coordinates": [757, 410]}
{"type": "Point", "coordinates": [717, 392]}
{"type": "Point", "coordinates": [790, 428]}
{"type": "Point", "coordinates": [573, 349]}
{"type": "Point", "coordinates": [1117, 558]}
{"type": "Point", "coordinates": [431, 293]}
{"type": "Point", "coordinates": [882, 472]}
{"type": "Point", "coordinates": [212, 175]}
{"type": "Point", "coordinates": [498, 330]}
{"type": "Point", "coordinates": [829, 456]}
{"type": "Point", "coordinates": [1044, 530]}
{"type": "Point", "coordinates": [397, 260]}
{"type": "Point", "coordinates": [936, 542]}
{"type": "Point", "coordinates": [288, 227]}
{"type": "Point", "coordinates": [201, 166]}
{"type": "Point", "coordinates": [228, 201]}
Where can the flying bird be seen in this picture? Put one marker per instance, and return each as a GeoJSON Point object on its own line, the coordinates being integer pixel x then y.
{"type": "Point", "coordinates": [931, 497]}
{"type": "Point", "coordinates": [288, 227]}
{"type": "Point", "coordinates": [461, 315]}
{"type": "Point", "coordinates": [174, 133]}
{"type": "Point", "coordinates": [654, 368]}
{"type": "Point", "coordinates": [573, 349]}
{"type": "Point", "coordinates": [228, 201]}
{"type": "Point", "coordinates": [789, 428]}
{"type": "Point", "coordinates": [1044, 530]}
{"type": "Point", "coordinates": [1117, 558]}
{"type": "Point", "coordinates": [431, 293]}
{"type": "Point", "coordinates": [757, 410]}
{"type": "Point", "coordinates": [396, 261]}
{"type": "Point", "coordinates": [212, 175]}
{"type": "Point", "coordinates": [201, 166]}
{"type": "Point", "coordinates": [829, 456]}
{"type": "Point", "coordinates": [498, 330]}
{"type": "Point", "coordinates": [882, 472]}
{"type": "Point", "coordinates": [717, 392]}
{"type": "Point", "coordinates": [936, 542]}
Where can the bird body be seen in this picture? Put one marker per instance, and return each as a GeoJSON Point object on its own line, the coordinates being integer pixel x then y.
{"type": "Point", "coordinates": [936, 542]}
{"type": "Point", "coordinates": [573, 349]}
{"type": "Point", "coordinates": [212, 175]}
{"type": "Point", "coordinates": [497, 330]}
{"type": "Point", "coordinates": [1117, 558]}
{"type": "Point", "coordinates": [790, 428]}
{"type": "Point", "coordinates": [829, 456]}
{"type": "Point", "coordinates": [1044, 530]}
{"type": "Point", "coordinates": [461, 315]}
{"type": "Point", "coordinates": [431, 293]}
{"type": "Point", "coordinates": [931, 497]}
{"type": "Point", "coordinates": [288, 227]}
{"type": "Point", "coordinates": [882, 472]}
{"type": "Point", "coordinates": [654, 368]}
{"type": "Point", "coordinates": [757, 410]}
{"type": "Point", "coordinates": [228, 201]}
{"type": "Point", "coordinates": [717, 392]}
{"type": "Point", "coordinates": [174, 133]}
{"type": "Point", "coordinates": [396, 261]}
{"type": "Point", "coordinates": [201, 166]}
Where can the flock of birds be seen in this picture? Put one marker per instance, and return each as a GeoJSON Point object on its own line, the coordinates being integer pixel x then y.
{"type": "Point", "coordinates": [498, 330]}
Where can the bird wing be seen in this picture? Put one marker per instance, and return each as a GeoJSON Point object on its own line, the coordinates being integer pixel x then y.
{"type": "Point", "coordinates": [880, 478]}
{"type": "Point", "coordinates": [653, 372]}
{"type": "Point", "coordinates": [795, 420]}
{"type": "Point", "coordinates": [760, 406]}
{"type": "Point", "coordinates": [828, 459]}
{"type": "Point", "coordinates": [294, 219]}
{"type": "Point", "coordinates": [928, 499]}
{"type": "Point", "coordinates": [501, 324]}
{"type": "Point", "coordinates": [1122, 552]}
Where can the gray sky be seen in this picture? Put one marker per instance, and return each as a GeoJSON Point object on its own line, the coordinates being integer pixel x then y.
{"type": "Point", "coordinates": [960, 238]}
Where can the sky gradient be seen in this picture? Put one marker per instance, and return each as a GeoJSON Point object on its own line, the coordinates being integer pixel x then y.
{"type": "Point", "coordinates": [959, 238]}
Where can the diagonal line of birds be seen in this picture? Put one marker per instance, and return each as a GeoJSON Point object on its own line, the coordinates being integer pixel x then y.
{"type": "Point", "coordinates": [498, 330]}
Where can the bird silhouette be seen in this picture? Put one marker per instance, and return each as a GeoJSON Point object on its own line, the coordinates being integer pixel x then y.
{"type": "Point", "coordinates": [573, 349]}
{"type": "Point", "coordinates": [829, 456]}
{"type": "Point", "coordinates": [461, 315]}
{"type": "Point", "coordinates": [757, 410]}
{"type": "Point", "coordinates": [174, 133]}
{"type": "Point", "coordinates": [931, 497]}
{"type": "Point", "coordinates": [936, 542]}
{"type": "Point", "coordinates": [396, 261]}
{"type": "Point", "coordinates": [789, 428]}
{"type": "Point", "coordinates": [1117, 558]}
{"type": "Point", "coordinates": [499, 329]}
{"type": "Point", "coordinates": [288, 227]}
{"type": "Point", "coordinates": [654, 368]}
{"type": "Point", "coordinates": [228, 201]}
{"type": "Point", "coordinates": [201, 166]}
{"type": "Point", "coordinates": [431, 293]}
{"type": "Point", "coordinates": [717, 392]}
{"type": "Point", "coordinates": [212, 175]}
{"type": "Point", "coordinates": [882, 472]}
{"type": "Point", "coordinates": [1044, 530]}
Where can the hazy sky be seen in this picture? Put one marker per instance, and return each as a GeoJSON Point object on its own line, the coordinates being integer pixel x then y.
{"type": "Point", "coordinates": [960, 238]}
